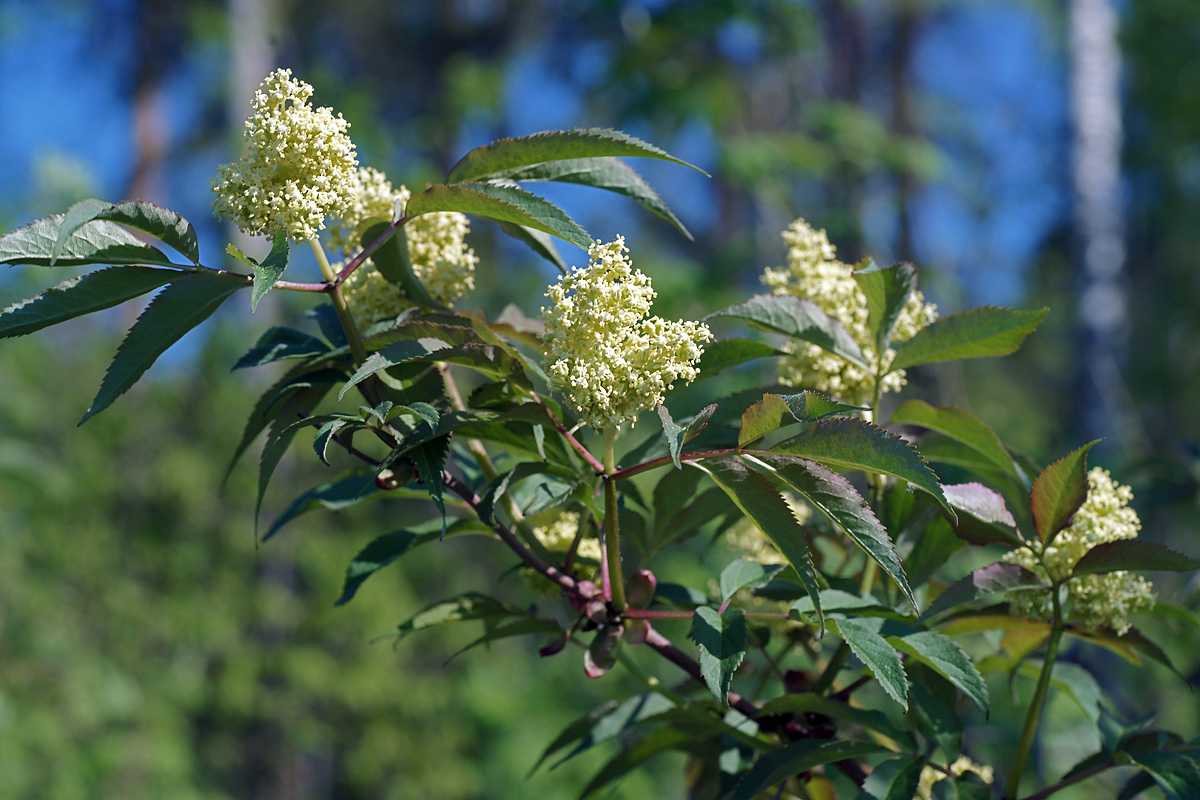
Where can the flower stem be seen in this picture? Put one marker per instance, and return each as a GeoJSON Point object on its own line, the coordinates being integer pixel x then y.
{"type": "Point", "coordinates": [612, 524]}
{"type": "Point", "coordinates": [353, 338]}
{"type": "Point", "coordinates": [1033, 716]}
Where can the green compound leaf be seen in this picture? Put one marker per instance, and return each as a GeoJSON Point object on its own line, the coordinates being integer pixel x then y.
{"type": "Point", "coordinates": [281, 343]}
{"type": "Point", "coordinates": [745, 574]}
{"type": "Point", "coordinates": [608, 174]}
{"type": "Point", "coordinates": [332, 496]}
{"type": "Point", "coordinates": [779, 765]}
{"type": "Point", "coordinates": [725, 354]}
{"type": "Point", "coordinates": [502, 203]}
{"type": "Point", "coordinates": [538, 242]}
{"type": "Point", "coordinates": [848, 443]}
{"type": "Point", "coordinates": [95, 242]}
{"type": "Point", "coordinates": [1059, 491]}
{"type": "Point", "coordinates": [836, 498]}
{"type": "Point", "coordinates": [172, 313]}
{"type": "Point", "coordinates": [943, 656]}
{"type": "Point", "coordinates": [161, 223]}
{"type": "Point", "coordinates": [758, 498]}
{"type": "Point", "coordinates": [960, 426]}
{"type": "Point", "coordinates": [501, 157]}
{"type": "Point", "coordinates": [880, 657]}
{"type": "Point", "coordinates": [979, 333]}
{"type": "Point", "coordinates": [887, 289]}
{"type": "Point", "coordinates": [722, 641]}
{"type": "Point", "coordinates": [1131, 554]}
{"type": "Point", "coordinates": [81, 295]}
{"type": "Point", "coordinates": [798, 319]}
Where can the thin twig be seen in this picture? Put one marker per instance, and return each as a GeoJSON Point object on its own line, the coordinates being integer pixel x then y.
{"type": "Point", "coordinates": [662, 461]}
{"type": "Point", "coordinates": [577, 445]}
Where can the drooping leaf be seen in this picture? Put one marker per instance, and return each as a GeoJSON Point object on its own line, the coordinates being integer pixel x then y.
{"type": "Point", "coordinates": [465, 607]}
{"type": "Point", "coordinates": [759, 499]}
{"type": "Point", "coordinates": [958, 425]}
{"type": "Point", "coordinates": [161, 223]}
{"type": "Point", "coordinates": [1177, 772]}
{"type": "Point", "coordinates": [1133, 554]}
{"type": "Point", "coordinates": [393, 262]}
{"type": "Point", "coordinates": [95, 242]}
{"type": "Point", "coordinates": [503, 156]}
{"type": "Point", "coordinates": [727, 353]}
{"type": "Point", "coordinates": [280, 343]}
{"type": "Point", "coordinates": [672, 434]}
{"type": "Point", "coordinates": [429, 458]}
{"type": "Point", "coordinates": [634, 755]}
{"type": "Point", "coordinates": [269, 270]}
{"type": "Point", "coordinates": [887, 289]}
{"type": "Point", "coordinates": [722, 641]}
{"type": "Point", "coordinates": [942, 655]}
{"type": "Point", "coordinates": [538, 242]}
{"type": "Point", "coordinates": [390, 547]}
{"type": "Point", "coordinates": [979, 333]}
{"type": "Point", "coordinates": [779, 765]}
{"type": "Point", "coordinates": [527, 626]}
{"type": "Point", "coordinates": [848, 443]}
{"type": "Point", "coordinates": [799, 319]}
{"type": "Point", "coordinates": [173, 312]}
{"type": "Point", "coordinates": [986, 585]}
{"type": "Point", "coordinates": [332, 496]}
{"type": "Point", "coordinates": [502, 203]}
{"type": "Point", "coordinates": [834, 496]}
{"type": "Point", "coordinates": [399, 353]}
{"type": "Point", "coordinates": [295, 403]}
{"type": "Point", "coordinates": [983, 516]}
{"type": "Point", "coordinates": [933, 708]}
{"type": "Point", "coordinates": [81, 295]}
{"type": "Point", "coordinates": [1059, 492]}
{"type": "Point", "coordinates": [608, 174]}
{"type": "Point", "coordinates": [878, 656]}
{"type": "Point", "coordinates": [605, 722]}
{"type": "Point", "coordinates": [745, 574]}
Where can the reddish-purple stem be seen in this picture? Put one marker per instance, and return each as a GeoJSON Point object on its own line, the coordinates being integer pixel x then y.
{"type": "Point", "coordinates": [662, 461]}
{"type": "Point", "coordinates": [369, 250]}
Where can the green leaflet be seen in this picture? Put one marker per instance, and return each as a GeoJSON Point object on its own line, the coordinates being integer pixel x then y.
{"type": "Point", "coordinates": [1059, 491]}
{"type": "Point", "coordinates": [725, 354]}
{"type": "Point", "coordinates": [279, 343]}
{"type": "Point", "coordinates": [887, 289]}
{"type": "Point", "coordinates": [394, 263]}
{"type": "Point", "coordinates": [779, 765]}
{"type": "Point", "coordinates": [848, 443]}
{"type": "Point", "coordinates": [390, 547]}
{"type": "Point", "coordinates": [657, 741]}
{"type": "Point", "coordinates": [95, 242]}
{"type": "Point", "coordinates": [538, 242]}
{"type": "Point", "coordinates": [269, 270]}
{"type": "Point", "coordinates": [745, 574]}
{"type": "Point", "coordinates": [601, 724]}
{"type": "Point", "coordinates": [943, 656]}
{"type": "Point", "coordinates": [502, 203]}
{"type": "Point", "coordinates": [332, 496]}
{"type": "Point", "coordinates": [81, 295]}
{"type": "Point", "coordinates": [502, 156]}
{"type": "Point", "coordinates": [798, 319]}
{"type": "Point", "coordinates": [964, 428]}
{"type": "Point", "coordinates": [722, 641]}
{"type": "Point", "coordinates": [161, 223]}
{"type": "Point", "coordinates": [1131, 554]}
{"type": "Point", "coordinates": [878, 656]}
{"type": "Point", "coordinates": [172, 313]}
{"type": "Point", "coordinates": [979, 333]}
{"type": "Point", "coordinates": [608, 174]}
{"type": "Point", "coordinates": [465, 607]}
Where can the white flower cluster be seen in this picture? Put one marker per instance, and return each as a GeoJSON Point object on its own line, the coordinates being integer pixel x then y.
{"type": "Point", "coordinates": [813, 273]}
{"type": "Point", "coordinates": [1093, 601]}
{"type": "Point", "coordinates": [557, 535]}
{"type": "Point", "coordinates": [298, 166]}
{"type": "Point", "coordinates": [961, 765]}
{"type": "Point", "coordinates": [437, 248]}
{"type": "Point", "coordinates": [604, 352]}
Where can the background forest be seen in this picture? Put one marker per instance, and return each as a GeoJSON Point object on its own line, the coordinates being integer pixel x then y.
{"type": "Point", "coordinates": [1025, 153]}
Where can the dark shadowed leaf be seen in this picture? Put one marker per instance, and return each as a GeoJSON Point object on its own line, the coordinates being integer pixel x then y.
{"type": "Point", "coordinates": [332, 496]}
{"type": "Point", "coordinates": [460, 608]}
{"type": "Point", "coordinates": [501, 157]}
{"type": "Point", "coordinates": [986, 585]}
{"type": "Point", "coordinates": [393, 262]}
{"type": "Point", "coordinates": [390, 547]}
{"type": "Point", "coordinates": [172, 313]}
{"type": "Point", "coordinates": [81, 295]}
{"type": "Point", "coordinates": [878, 656]}
{"type": "Point", "coordinates": [608, 174]}
{"type": "Point", "coordinates": [799, 319]}
{"type": "Point", "coordinates": [727, 353]}
{"type": "Point", "coordinates": [1059, 492]}
{"type": "Point", "coordinates": [1177, 772]}
{"type": "Point", "coordinates": [633, 756]}
{"type": "Point", "coordinates": [501, 203]}
{"type": "Point", "coordinates": [979, 333]}
{"type": "Point", "coordinates": [1133, 554]}
{"type": "Point", "coordinates": [601, 724]}
{"type": "Point", "coordinates": [536, 241]}
{"type": "Point", "coordinates": [779, 765]}
{"type": "Point", "coordinates": [933, 708]}
{"type": "Point", "coordinates": [280, 343]}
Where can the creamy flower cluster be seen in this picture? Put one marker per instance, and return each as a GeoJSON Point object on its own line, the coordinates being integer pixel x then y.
{"type": "Point", "coordinates": [557, 535]}
{"type": "Point", "coordinates": [1093, 601]}
{"type": "Point", "coordinates": [610, 359]}
{"type": "Point", "coordinates": [437, 248]}
{"type": "Point", "coordinates": [961, 766]}
{"type": "Point", "coordinates": [298, 166]}
{"type": "Point", "coordinates": [813, 273]}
